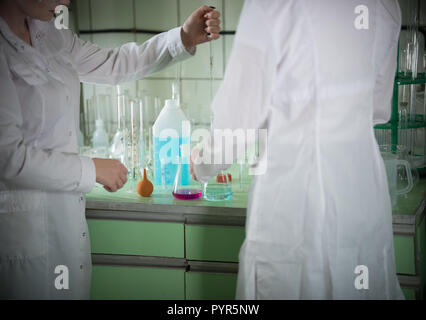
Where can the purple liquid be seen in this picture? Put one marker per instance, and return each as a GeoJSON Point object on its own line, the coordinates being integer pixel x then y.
{"type": "Point", "coordinates": [187, 194]}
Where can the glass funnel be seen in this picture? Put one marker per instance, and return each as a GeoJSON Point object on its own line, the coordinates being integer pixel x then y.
{"type": "Point", "coordinates": [184, 190]}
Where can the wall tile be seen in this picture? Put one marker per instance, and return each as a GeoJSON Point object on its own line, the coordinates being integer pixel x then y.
{"type": "Point", "coordinates": [161, 88]}
{"type": "Point", "coordinates": [169, 72]}
{"type": "Point", "coordinates": [112, 40]}
{"type": "Point", "coordinates": [72, 21]}
{"type": "Point", "coordinates": [199, 65]}
{"type": "Point", "coordinates": [158, 15]}
{"type": "Point", "coordinates": [83, 14]}
{"type": "Point", "coordinates": [196, 99]}
{"type": "Point", "coordinates": [232, 12]}
{"type": "Point", "coordinates": [86, 37]}
{"type": "Point", "coordinates": [187, 7]}
{"type": "Point", "coordinates": [108, 14]}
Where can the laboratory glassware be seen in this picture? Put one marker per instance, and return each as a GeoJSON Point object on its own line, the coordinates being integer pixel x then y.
{"type": "Point", "coordinates": [407, 125]}
{"type": "Point", "coordinates": [217, 188]}
{"type": "Point", "coordinates": [100, 141]}
{"type": "Point", "coordinates": [118, 146]}
{"type": "Point", "coordinates": [398, 171]}
{"type": "Point", "coordinates": [133, 146]}
{"type": "Point", "coordinates": [185, 190]}
{"type": "Point", "coordinates": [171, 130]}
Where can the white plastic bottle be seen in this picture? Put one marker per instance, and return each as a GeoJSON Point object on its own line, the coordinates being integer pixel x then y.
{"type": "Point", "coordinates": [100, 141]}
{"type": "Point", "coordinates": [171, 135]}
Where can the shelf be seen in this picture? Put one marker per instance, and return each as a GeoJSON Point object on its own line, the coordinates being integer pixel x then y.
{"type": "Point", "coordinates": [407, 79]}
{"type": "Point", "coordinates": [419, 122]}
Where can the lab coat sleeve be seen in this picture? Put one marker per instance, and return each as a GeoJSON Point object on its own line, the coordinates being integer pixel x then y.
{"type": "Point", "coordinates": [385, 59]}
{"type": "Point", "coordinates": [128, 62]}
{"type": "Point", "coordinates": [26, 167]}
{"type": "Point", "coordinates": [243, 98]}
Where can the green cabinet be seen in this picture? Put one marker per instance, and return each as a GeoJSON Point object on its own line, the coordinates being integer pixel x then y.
{"type": "Point", "coordinates": [159, 251]}
{"type": "Point", "coordinates": [210, 286]}
{"type": "Point", "coordinates": [213, 243]}
{"type": "Point", "coordinates": [404, 254]}
{"type": "Point", "coordinates": [136, 237]}
{"type": "Point", "coordinates": [409, 227]}
{"type": "Point", "coordinates": [135, 282]}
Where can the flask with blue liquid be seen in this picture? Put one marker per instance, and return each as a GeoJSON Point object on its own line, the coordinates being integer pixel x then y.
{"type": "Point", "coordinates": [171, 134]}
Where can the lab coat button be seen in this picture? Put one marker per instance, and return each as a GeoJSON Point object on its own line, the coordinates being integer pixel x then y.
{"type": "Point", "coordinates": [81, 266]}
{"type": "Point", "coordinates": [81, 198]}
{"type": "Point", "coordinates": [83, 234]}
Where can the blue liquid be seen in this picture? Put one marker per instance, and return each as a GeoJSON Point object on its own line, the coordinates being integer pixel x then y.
{"type": "Point", "coordinates": [169, 149]}
{"type": "Point", "coordinates": [216, 192]}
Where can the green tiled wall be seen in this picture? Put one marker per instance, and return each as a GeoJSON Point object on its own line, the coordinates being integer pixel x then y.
{"type": "Point", "coordinates": [161, 15]}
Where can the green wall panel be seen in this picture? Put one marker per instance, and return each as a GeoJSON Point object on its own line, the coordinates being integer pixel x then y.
{"type": "Point", "coordinates": [210, 286]}
{"type": "Point", "coordinates": [125, 282]}
{"type": "Point", "coordinates": [136, 238]}
{"type": "Point", "coordinates": [213, 243]}
{"type": "Point", "coordinates": [404, 254]}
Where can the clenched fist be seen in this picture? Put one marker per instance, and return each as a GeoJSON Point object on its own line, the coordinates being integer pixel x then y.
{"type": "Point", "coordinates": [112, 174]}
{"type": "Point", "coordinates": [202, 25]}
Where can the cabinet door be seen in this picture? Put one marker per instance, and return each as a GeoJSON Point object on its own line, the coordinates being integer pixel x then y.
{"type": "Point", "coordinates": [409, 294]}
{"type": "Point", "coordinates": [213, 243]}
{"type": "Point", "coordinates": [210, 286]}
{"type": "Point", "coordinates": [404, 254]}
{"type": "Point", "coordinates": [136, 237]}
{"type": "Point", "coordinates": [126, 282]}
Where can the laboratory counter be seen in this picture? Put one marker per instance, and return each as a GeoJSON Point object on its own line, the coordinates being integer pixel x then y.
{"type": "Point", "coordinates": [163, 248]}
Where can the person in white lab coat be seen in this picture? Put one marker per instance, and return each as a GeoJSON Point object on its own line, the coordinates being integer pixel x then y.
{"type": "Point", "coordinates": [44, 244]}
{"type": "Point", "coordinates": [318, 75]}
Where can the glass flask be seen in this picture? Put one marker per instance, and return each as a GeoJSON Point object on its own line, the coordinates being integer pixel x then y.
{"type": "Point", "coordinates": [183, 190]}
{"type": "Point", "coordinates": [218, 188]}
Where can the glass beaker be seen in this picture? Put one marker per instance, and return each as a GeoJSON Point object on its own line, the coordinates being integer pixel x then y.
{"type": "Point", "coordinates": [398, 171]}
{"type": "Point", "coordinates": [183, 190]}
{"type": "Point", "coordinates": [218, 188]}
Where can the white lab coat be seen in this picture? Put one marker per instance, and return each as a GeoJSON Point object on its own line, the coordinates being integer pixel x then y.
{"type": "Point", "coordinates": [42, 178]}
{"type": "Point", "coordinates": [302, 70]}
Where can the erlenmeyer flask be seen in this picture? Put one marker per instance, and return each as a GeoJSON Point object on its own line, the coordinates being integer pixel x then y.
{"type": "Point", "coordinates": [218, 188]}
{"type": "Point", "coordinates": [185, 191]}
